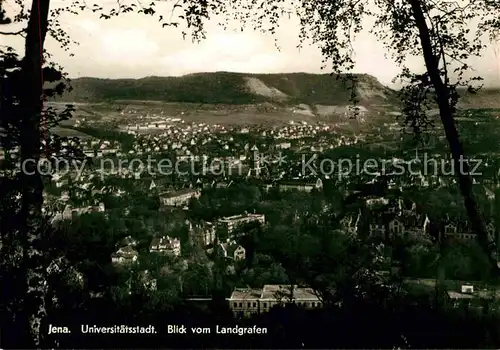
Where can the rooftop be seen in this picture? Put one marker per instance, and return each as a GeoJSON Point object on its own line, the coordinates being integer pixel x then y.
{"type": "Point", "coordinates": [127, 251]}
{"type": "Point", "coordinates": [305, 294]}
{"type": "Point", "coordinates": [456, 295]}
{"type": "Point", "coordinates": [181, 192]}
{"type": "Point", "coordinates": [246, 293]}
{"type": "Point", "coordinates": [165, 240]}
{"type": "Point", "coordinates": [241, 216]}
{"type": "Point", "coordinates": [269, 292]}
{"type": "Point", "coordinates": [298, 182]}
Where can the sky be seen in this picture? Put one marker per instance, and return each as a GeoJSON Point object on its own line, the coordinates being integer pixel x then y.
{"type": "Point", "coordinates": [135, 46]}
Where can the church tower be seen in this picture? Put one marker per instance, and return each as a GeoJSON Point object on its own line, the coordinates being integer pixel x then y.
{"type": "Point", "coordinates": [255, 170]}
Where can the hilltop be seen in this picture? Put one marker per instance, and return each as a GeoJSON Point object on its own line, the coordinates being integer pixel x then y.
{"type": "Point", "coordinates": [283, 89]}
{"type": "Point", "coordinates": [243, 98]}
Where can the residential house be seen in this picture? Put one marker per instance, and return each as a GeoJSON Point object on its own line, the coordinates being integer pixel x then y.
{"type": "Point", "coordinates": [458, 229]}
{"type": "Point", "coordinates": [125, 255]}
{"type": "Point", "coordinates": [165, 245]}
{"type": "Point", "coordinates": [410, 223]}
{"type": "Point", "coordinates": [231, 250]}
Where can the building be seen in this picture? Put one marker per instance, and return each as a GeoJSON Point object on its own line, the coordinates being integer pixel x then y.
{"type": "Point", "coordinates": [247, 301]}
{"type": "Point", "coordinates": [284, 145]}
{"type": "Point", "coordinates": [411, 224]}
{"type": "Point", "coordinates": [230, 223]}
{"type": "Point", "coordinates": [179, 198]}
{"type": "Point", "coordinates": [165, 245]}
{"type": "Point", "coordinates": [231, 250]}
{"type": "Point", "coordinates": [126, 252]}
{"type": "Point", "coordinates": [451, 231]}
{"type": "Point", "coordinates": [467, 289]}
{"type": "Point", "coordinates": [125, 255]}
{"type": "Point", "coordinates": [273, 294]}
{"type": "Point", "coordinates": [468, 296]}
{"type": "Point", "coordinates": [300, 185]}
{"type": "Point", "coordinates": [69, 212]}
{"type": "Point", "coordinates": [202, 234]}
{"type": "Point", "coordinates": [255, 170]}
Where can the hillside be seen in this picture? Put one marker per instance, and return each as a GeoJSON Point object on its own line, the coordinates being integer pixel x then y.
{"type": "Point", "coordinates": [232, 88]}
{"type": "Point", "coordinates": [485, 98]}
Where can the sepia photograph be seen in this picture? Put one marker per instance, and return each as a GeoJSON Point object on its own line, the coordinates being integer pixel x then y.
{"type": "Point", "coordinates": [249, 174]}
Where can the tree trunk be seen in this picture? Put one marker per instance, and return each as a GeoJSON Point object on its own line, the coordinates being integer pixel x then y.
{"type": "Point", "coordinates": [448, 121]}
{"type": "Point", "coordinates": [440, 287]}
{"type": "Point", "coordinates": [31, 103]}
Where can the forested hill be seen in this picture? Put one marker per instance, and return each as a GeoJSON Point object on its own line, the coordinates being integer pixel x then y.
{"type": "Point", "coordinates": [233, 88]}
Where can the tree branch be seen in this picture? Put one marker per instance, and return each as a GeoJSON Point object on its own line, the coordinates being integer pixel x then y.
{"type": "Point", "coordinates": [19, 32]}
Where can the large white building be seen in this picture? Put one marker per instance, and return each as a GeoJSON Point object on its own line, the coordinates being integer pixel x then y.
{"type": "Point", "coordinates": [300, 185]}
{"type": "Point", "coordinates": [179, 198]}
{"type": "Point", "coordinates": [230, 223]}
{"type": "Point", "coordinates": [247, 301]}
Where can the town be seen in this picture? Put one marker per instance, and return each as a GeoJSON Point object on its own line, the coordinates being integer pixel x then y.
{"type": "Point", "coordinates": [232, 185]}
